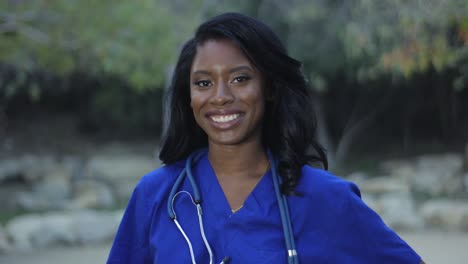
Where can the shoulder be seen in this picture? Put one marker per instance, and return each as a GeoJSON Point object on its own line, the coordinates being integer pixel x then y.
{"type": "Point", "coordinates": [159, 180]}
{"type": "Point", "coordinates": [162, 175]}
{"type": "Point", "coordinates": [334, 206]}
{"type": "Point", "coordinates": [319, 182]}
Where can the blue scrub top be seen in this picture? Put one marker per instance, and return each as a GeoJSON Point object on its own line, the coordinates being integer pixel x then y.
{"type": "Point", "coordinates": [330, 221]}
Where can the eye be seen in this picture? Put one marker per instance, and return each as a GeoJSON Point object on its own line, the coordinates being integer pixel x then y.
{"type": "Point", "coordinates": [202, 83]}
{"type": "Point", "coordinates": [241, 78]}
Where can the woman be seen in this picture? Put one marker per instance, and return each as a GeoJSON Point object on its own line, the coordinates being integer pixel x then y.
{"type": "Point", "coordinates": [242, 105]}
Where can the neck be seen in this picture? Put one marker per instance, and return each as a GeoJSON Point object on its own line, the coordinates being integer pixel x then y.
{"type": "Point", "coordinates": [244, 161]}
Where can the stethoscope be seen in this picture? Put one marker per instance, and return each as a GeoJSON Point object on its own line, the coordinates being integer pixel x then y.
{"type": "Point", "coordinates": [196, 200]}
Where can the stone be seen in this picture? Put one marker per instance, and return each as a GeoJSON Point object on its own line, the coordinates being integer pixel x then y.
{"type": "Point", "coordinates": [465, 159]}
{"type": "Point", "coordinates": [120, 172]}
{"type": "Point", "coordinates": [92, 194]}
{"type": "Point", "coordinates": [8, 195]}
{"type": "Point", "coordinates": [31, 168]}
{"type": "Point", "coordinates": [357, 176]}
{"type": "Point", "coordinates": [34, 168]}
{"type": "Point", "coordinates": [465, 181]}
{"type": "Point", "coordinates": [115, 167]}
{"type": "Point", "coordinates": [384, 184]}
{"type": "Point", "coordinates": [9, 169]}
{"type": "Point", "coordinates": [123, 189]}
{"type": "Point", "coordinates": [94, 227]}
{"type": "Point", "coordinates": [435, 175]}
{"type": "Point", "coordinates": [398, 168]}
{"type": "Point", "coordinates": [397, 209]}
{"type": "Point", "coordinates": [390, 197]}
{"type": "Point", "coordinates": [399, 212]}
{"type": "Point", "coordinates": [28, 201]}
{"type": "Point", "coordinates": [446, 214]}
{"type": "Point", "coordinates": [55, 229]}
{"type": "Point", "coordinates": [21, 230]}
{"type": "Point", "coordinates": [54, 190]}
{"type": "Point", "coordinates": [50, 193]}
{"type": "Point", "coordinates": [35, 231]}
{"type": "Point", "coordinates": [5, 246]}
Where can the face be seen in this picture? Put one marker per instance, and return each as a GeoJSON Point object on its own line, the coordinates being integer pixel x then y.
{"type": "Point", "coordinates": [226, 92]}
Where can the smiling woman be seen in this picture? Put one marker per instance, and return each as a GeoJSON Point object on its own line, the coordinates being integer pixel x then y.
{"type": "Point", "coordinates": [240, 139]}
{"type": "Point", "coordinates": [226, 94]}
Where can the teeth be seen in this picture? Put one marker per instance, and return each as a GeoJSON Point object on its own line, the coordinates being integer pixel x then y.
{"type": "Point", "coordinates": [224, 118]}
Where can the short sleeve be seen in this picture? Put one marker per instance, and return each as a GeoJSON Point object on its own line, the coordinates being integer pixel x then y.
{"type": "Point", "coordinates": [131, 243]}
{"type": "Point", "coordinates": [371, 238]}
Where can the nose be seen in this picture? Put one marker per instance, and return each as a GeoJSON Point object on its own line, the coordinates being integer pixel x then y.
{"type": "Point", "coordinates": [222, 94]}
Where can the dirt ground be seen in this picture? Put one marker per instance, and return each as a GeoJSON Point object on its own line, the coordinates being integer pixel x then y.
{"type": "Point", "coordinates": [434, 247]}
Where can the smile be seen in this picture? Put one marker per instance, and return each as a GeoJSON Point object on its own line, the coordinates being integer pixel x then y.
{"type": "Point", "coordinates": [224, 118]}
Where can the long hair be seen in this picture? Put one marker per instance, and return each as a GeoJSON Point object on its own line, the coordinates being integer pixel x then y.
{"type": "Point", "coordinates": [289, 124]}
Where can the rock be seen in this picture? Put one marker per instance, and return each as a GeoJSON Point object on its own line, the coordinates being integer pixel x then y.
{"type": "Point", "coordinates": [397, 209]}
{"type": "Point", "coordinates": [382, 185]}
{"type": "Point", "coordinates": [9, 169]}
{"type": "Point", "coordinates": [391, 199]}
{"type": "Point", "coordinates": [5, 246]}
{"type": "Point", "coordinates": [116, 167]}
{"type": "Point", "coordinates": [446, 214]}
{"type": "Point", "coordinates": [357, 176]}
{"type": "Point", "coordinates": [34, 168]}
{"type": "Point", "coordinates": [465, 159]}
{"type": "Point", "coordinates": [431, 174]}
{"type": "Point", "coordinates": [55, 229]}
{"type": "Point", "coordinates": [39, 231]}
{"type": "Point", "coordinates": [28, 201]}
{"type": "Point", "coordinates": [465, 181]}
{"type": "Point", "coordinates": [34, 231]}
{"type": "Point", "coordinates": [94, 227]}
{"type": "Point", "coordinates": [50, 193]}
{"type": "Point", "coordinates": [92, 194]}
{"type": "Point", "coordinates": [123, 189]}
{"type": "Point", "coordinates": [398, 168]}
{"type": "Point", "coordinates": [8, 195]}
{"type": "Point", "coordinates": [121, 172]}
{"type": "Point", "coordinates": [31, 168]}
{"type": "Point", "coordinates": [21, 230]}
{"type": "Point", "coordinates": [54, 189]}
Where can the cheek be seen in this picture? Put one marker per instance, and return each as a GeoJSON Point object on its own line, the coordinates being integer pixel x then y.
{"type": "Point", "coordinates": [194, 100]}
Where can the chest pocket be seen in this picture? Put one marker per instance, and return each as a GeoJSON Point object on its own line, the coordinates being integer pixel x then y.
{"type": "Point", "coordinates": [254, 253]}
{"type": "Point", "coordinates": [257, 241]}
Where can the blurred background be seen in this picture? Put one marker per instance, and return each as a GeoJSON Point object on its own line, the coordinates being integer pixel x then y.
{"type": "Point", "coordinates": [82, 88]}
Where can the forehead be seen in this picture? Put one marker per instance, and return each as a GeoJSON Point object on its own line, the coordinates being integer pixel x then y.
{"type": "Point", "coordinates": [219, 53]}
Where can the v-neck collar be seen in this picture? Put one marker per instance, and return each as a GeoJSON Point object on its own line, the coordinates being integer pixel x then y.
{"type": "Point", "coordinates": [213, 196]}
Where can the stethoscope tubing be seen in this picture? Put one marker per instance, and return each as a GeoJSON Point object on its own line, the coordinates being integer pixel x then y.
{"type": "Point", "coordinates": [187, 171]}
{"type": "Point", "coordinates": [281, 199]}
{"type": "Point", "coordinates": [284, 213]}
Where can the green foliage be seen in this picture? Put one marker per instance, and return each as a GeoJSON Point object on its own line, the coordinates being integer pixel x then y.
{"type": "Point", "coordinates": [117, 107]}
{"type": "Point", "coordinates": [139, 39]}
{"type": "Point", "coordinates": [136, 40]}
{"type": "Point", "coordinates": [368, 39]}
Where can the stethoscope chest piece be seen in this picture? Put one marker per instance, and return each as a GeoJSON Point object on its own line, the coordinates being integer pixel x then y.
{"type": "Point", "coordinates": [196, 200]}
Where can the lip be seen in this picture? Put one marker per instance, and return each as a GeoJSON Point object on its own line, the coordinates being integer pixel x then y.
{"type": "Point", "coordinates": [227, 124]}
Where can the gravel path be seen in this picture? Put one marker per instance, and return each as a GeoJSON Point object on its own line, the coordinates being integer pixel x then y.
{"type": "Point", "coordinates": [434, 247]}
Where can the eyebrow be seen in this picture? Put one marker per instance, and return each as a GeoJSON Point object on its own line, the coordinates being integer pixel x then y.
{"type": "Point", "coordinates": [235, 69]}
{"type": "Point", "coordinates": [239, 68]}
